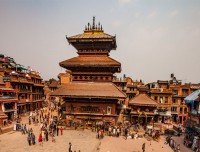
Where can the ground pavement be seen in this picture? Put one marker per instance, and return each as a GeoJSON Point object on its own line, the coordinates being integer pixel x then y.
{"type": "Point", "coordinates": [114, 144]}
{"type": "Point", "coordinates": [85, 141]}
{"type": "Point", "coordinates": [14, 141]}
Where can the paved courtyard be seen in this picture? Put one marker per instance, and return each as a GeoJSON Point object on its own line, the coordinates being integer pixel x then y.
{"type": "Point", "coordinates": [85, 141]}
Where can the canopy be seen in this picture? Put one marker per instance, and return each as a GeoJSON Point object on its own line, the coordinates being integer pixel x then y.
{"type": "Point", "coordinates": [192, 97]}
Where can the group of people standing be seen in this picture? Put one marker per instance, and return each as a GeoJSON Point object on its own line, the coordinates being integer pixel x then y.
{"type": "Point", "coordinates": [172, 143]}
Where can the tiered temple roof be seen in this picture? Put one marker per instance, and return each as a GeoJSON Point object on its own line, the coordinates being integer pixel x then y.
{"type": "Point", "coordinates": [90, 61]}
{"type": "Point", "coordinates": [143, 99]}
{"type": "Point", "coordinates": [93, 38]}
{"type": "Point", "coordinates": [89, 89]}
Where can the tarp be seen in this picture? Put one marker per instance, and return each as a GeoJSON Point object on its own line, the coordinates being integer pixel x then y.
{"type": "Point", "coordinates": [192, 97]}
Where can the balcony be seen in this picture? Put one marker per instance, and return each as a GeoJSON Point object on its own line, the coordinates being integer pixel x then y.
{"type": "Point", "coordinates": [38, 84]}
{"type": "Point", "coordinates": [8, 97]}
{"type": "Point", "coordinates": [24, 91]}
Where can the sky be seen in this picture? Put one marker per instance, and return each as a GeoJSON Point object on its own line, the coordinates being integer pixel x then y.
{"type": "Point", "coordinates": [154, 37]}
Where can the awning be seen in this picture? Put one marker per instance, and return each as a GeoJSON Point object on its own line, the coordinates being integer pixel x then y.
{"type": "Point", "coordinates": [192, 97]}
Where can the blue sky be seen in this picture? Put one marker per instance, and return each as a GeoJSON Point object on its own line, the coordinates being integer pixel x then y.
{"type": "Point", "coordinates": [154, 37]}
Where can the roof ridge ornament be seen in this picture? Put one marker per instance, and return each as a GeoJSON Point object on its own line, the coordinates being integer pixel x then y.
{"type": "Point", "coordinates": [93, 25]}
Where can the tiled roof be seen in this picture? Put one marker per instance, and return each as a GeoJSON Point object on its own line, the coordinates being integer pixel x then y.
{"type": "Point", "coordinates": [54, 84]}
{"type": "Point", "coordinates": [46, 90]}
{"type": "Point", "coordinates": [6, 89]}
{"type": "Point", "coordinates": [195, 86]}
{"type": "Point", "coordinates": [89, 35]}
{"type": "Point", "coordinates": [90, 60]}
{"type": "Point", "coordinates": [142, 99]}
{"type": "Point", "coordinates": [89, 89]}
{"type": "Point", "coordinates": [162, 81]}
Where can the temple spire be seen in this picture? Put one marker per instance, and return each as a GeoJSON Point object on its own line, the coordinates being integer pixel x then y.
{"type": "Point", "coordinates": [93, 25]}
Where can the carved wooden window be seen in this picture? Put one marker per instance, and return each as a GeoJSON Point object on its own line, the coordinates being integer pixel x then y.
{"type": "Point", "coordinates": [109, 110]}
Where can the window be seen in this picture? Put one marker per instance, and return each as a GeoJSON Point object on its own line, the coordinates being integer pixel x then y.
{"type": "Point", "coordinates": [109, 110]}
{"type": "Point", "coordinates": [181, 109]}
{"type": "Point", "coordinates": [166, 99]}
{"type": "Point", "coordinates": [174, 101]}
{"type": "Point", "coordinates": [161, 99]}
{"type": "Point", "coordinates": [174, 109]}
{"type": "Point", "coordinates": [155, 98]}
{"type": "Point", "coordinates": [185, 92]}
{"type": "Point", "coordinates": [121, 101]}
{"type": "Point", "coordinates": [175, 92]}
{"type": "Point", "coordinates": [185, 110]}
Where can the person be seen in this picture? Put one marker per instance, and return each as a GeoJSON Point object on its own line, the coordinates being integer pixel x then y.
{"type": "Point", "coordinates": [33, 139]}
{"type": "Point", "coordinates": [22, 129]}
{"type": "Point", "coordinates": [40, 139]}
{"type": "Point", "coordinates": [53, 139]}
{"type": "Point", "coordinates": [126, 132]}
{"type": "Point", "coordinates": [29, 120]}
{"type": "Point", "coordinates": [178, 148]}
{"type": "Point", "coordinates": [43, 135]}
{"type": "Point", "coordinates": [114, 131]}
{"type": "Point", "coordinates": [70, 147]}
{"type": "Point", "coordinates": [57, 130]}
{"type": "Point", "coordinates": [29, 140]}
{"type": "Point", "coordinates": [61, 130]}
{"type": "Point", "coordinates": [47, 135]}
{"type": "Point", "coordinates": [25, 131]}
{"type": "Point", "coordinates": [136, 136]}
{"type": "Point", "coordinates": [118, 132]}
{"type": "Point", "coordinates": [143, 147]}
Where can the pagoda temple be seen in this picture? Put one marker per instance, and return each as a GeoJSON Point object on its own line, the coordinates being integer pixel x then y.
{"type": "Point", "coordinates": [93, 62]}
{"type": "Point", "coordinates": [89, 97]}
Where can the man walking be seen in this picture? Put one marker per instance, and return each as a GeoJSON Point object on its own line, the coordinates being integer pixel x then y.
{"type": "Point", "coordinates": [47, 135]}
{"type": "Point", "coordinates": [143, 147]}
{"type": "Point", "coordinates": [70, 147]}
{"type": "Point", "coordinates": [57, 130]}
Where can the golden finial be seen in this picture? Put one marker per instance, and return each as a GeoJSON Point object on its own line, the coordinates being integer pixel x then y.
{"type": "Point", "coordinates": [99, 26]}
{"type": "Point", "coordinates": [93, 25]}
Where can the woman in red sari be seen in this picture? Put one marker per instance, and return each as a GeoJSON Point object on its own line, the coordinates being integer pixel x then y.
{"type": "Point", "coordinates": [40, 139]}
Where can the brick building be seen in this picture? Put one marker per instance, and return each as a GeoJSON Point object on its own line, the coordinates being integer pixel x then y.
{"type": "Point", "coordinates": [27, 83]}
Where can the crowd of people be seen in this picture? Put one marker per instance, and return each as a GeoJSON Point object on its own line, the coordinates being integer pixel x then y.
{"type": "Point", "coordinates": [172, 143]}
{"type": "Point", "coordinates": [48, 128]}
